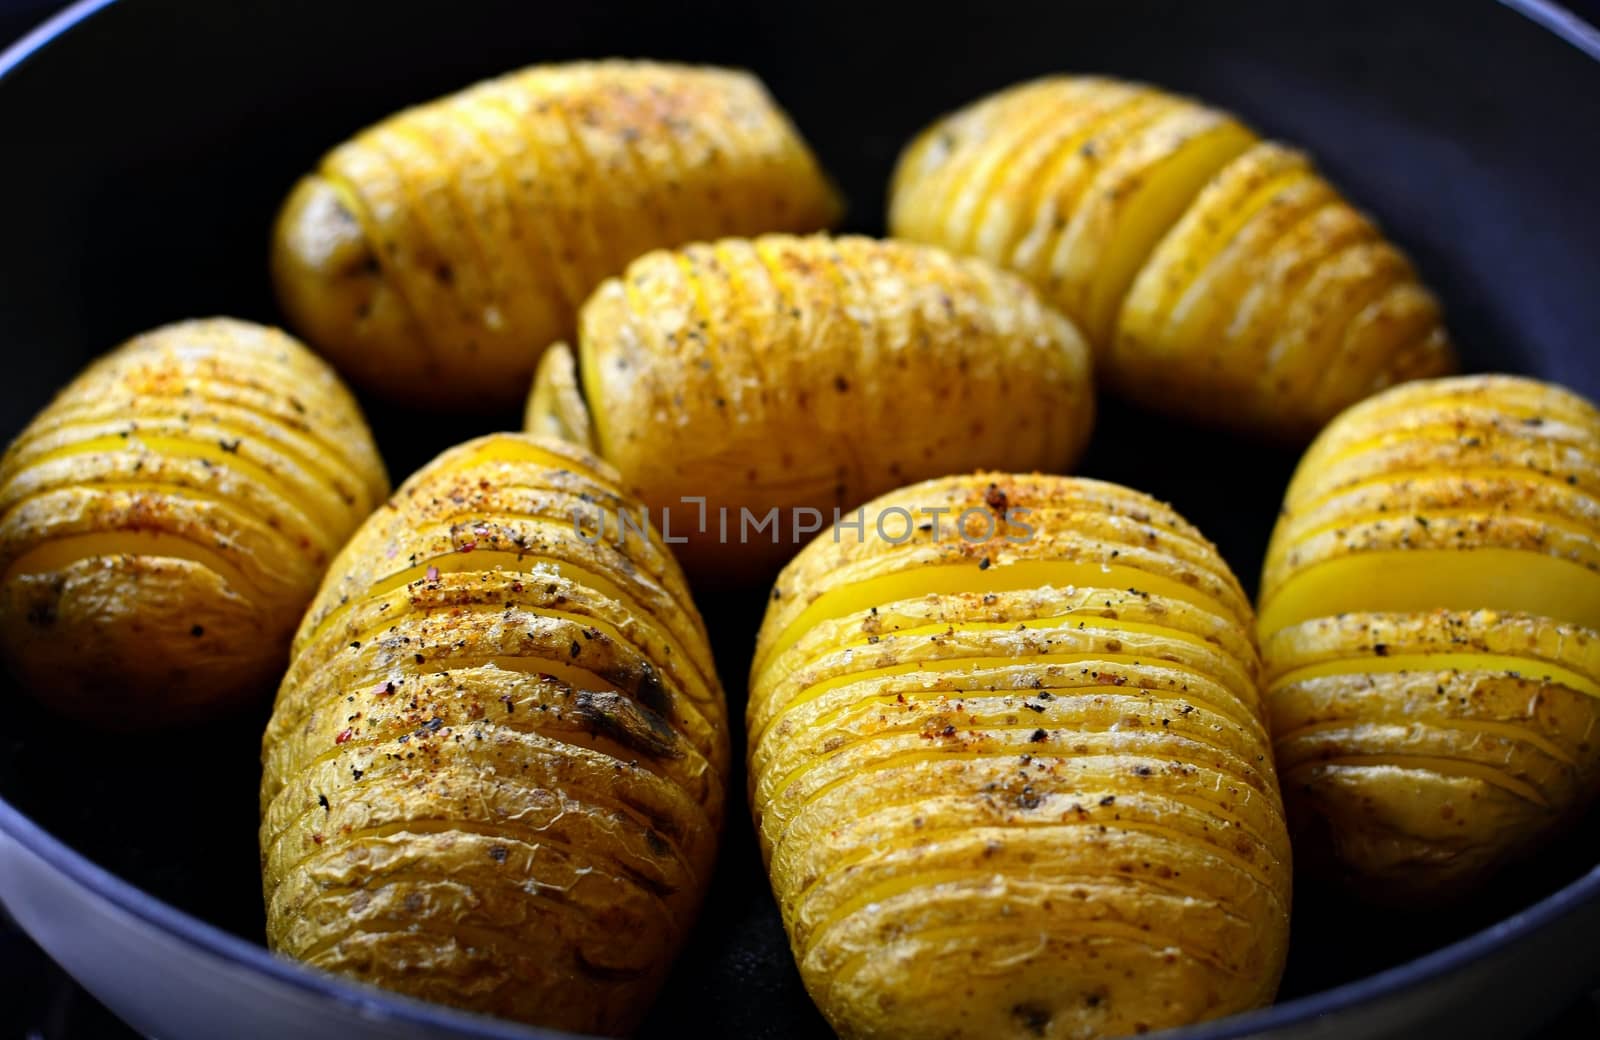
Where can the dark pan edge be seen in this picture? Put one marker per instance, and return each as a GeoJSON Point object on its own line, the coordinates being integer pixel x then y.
{"type": "Point", "coordinates": [1562, 22]}
{"type": "Point", "coordinates": [372, 1002]}
{"type": "Point", "coordinates": [208, 939]}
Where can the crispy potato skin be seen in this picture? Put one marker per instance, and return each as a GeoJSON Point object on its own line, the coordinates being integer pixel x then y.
{"type": "Point", "coordinates": [495, 771]}
{"type": "Point", "coordinates": [1011, 775]}
{"type": "Point", "coordinates": [1217, 276]}
{"type": "Point", "coordinates": [165, 520]}
{"type": "Point", "coordinates": [814, 372]}
{"type": "Point", "coordinates": [1428, 623]}
{"type": "Point", "coordinates": [433, 256]}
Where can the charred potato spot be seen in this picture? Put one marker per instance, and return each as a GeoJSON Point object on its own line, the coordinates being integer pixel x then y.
{"type": "Point", "coordinates": [435, 255]}
{"type": "Point", "coordinates": [1204, 265]}
{"type": "Point", "coordinates": [782, 376]}
{"type": "Point", "coordinates": [629, 723]}
{"type": "Point", "coordinates": [1007, 787]}
{"type": "Point", "coordinates": [500, 750]}
{"type": "Point", "coordinates": [1430, 617]}
{"type": "Point", "coordinates": [168, 516]}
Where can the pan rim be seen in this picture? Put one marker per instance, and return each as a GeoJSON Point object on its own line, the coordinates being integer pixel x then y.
{"type": "Point", "coordinates": [207, 939]}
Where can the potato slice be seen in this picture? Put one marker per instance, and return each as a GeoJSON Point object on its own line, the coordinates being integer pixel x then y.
{"type": "Point", "coordinates": [1430, 621]}
{"type": "Point", "coordinates": [165, 520]}
{"type": "Point", "coordinates": [500, 751]}
{"type": "Point", "coordinates": [1011, 774]}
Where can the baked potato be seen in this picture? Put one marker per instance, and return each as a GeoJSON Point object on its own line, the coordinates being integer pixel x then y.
{"type": "Point", "coordinates": [433, 256]}
{"type": "Point", "coordinates": [805, 375]}
{"type": "Point", "coordinates": [1010, 772]}
{"type": "Point", "coordinates": [166, 519]}
{"type": "Point", "coordinates": [1217, 276]}
{"type": "Point", "coordinates": [494, 774]}
{"type": "Point", "coordinates": [1430, 621]}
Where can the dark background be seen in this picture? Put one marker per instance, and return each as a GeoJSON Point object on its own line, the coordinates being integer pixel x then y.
{"type": "Point", "coordinates": [36, 1000]}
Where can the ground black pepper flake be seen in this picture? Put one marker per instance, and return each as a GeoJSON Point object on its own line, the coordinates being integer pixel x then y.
{"type": "Point", "coordinates": [197, 631]}
{"type": "Point", "coordinates": [322, 800]}
{"type": "Point", "coordinates": [1039, 736]}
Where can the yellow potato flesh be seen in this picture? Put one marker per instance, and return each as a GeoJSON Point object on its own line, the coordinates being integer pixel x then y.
{"type": "Point", "coordinates": [1221, 236]}
{"type": "Point", "coordinates": [1508, 580]}
{"type": "Point", "coordinates": [1155, 206]}
{"type": "Point", "coordinates": [62, 552]}
{"type": "Point", "coordinates": [858, 596]}
{"type": "Point", "coordinates": [186, 448]}
{"type": "Point", "coordinates": [1524, 667]}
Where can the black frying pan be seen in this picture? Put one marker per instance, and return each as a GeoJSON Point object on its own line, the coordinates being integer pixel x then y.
{"type": "Point", "coordinates": [146, 144]}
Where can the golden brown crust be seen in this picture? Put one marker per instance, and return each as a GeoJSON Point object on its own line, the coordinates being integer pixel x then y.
{"type": "Point", "coordinates": [1429, 612]}
{"type": "Point", "coordinates": [496, 768]}
{"type": "Point", "coordinates": [1019, 784]}
{"type": "Point", "coordinates": [165, 520]}
{"type": "Point", "coordinates": [435, 255]}
{"type": "Point", "coordinates": [1204, 266]}
{"type": "Point", "coordinates": [785, 373]}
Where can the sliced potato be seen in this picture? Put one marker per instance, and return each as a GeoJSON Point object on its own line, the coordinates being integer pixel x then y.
{"type": "Point", "coordinates": [1429, 616]}
{"type": "Point", "coordinates": [1011, 774]}
{"type": "Point", "coordinates": [794, 378]}
{"type": "Point", "coordinates": [165, 520]}
{"type": "Point", "coordinates": [1216, 276]}
{"type": "Point", "coordinates": [496, 769]}
{"type": "Point", "coordinates": [435, 255]}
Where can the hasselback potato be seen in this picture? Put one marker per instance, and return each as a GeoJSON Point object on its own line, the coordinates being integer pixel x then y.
{"type": "Point", "coordinates": [435, 255]}
{"type": "Point", "coordinates": [1430, 621]}
{"type": "Point", "coordinates": [495, 771]}
{"type": "Point", "coordinates": [165, 520]}
{"type": "Point", "coordinates": [1010, 771]}
{"type": "Point", "coordinates": [810, 373]}
{"type": "Point", "coordinates": [1216, 275]}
